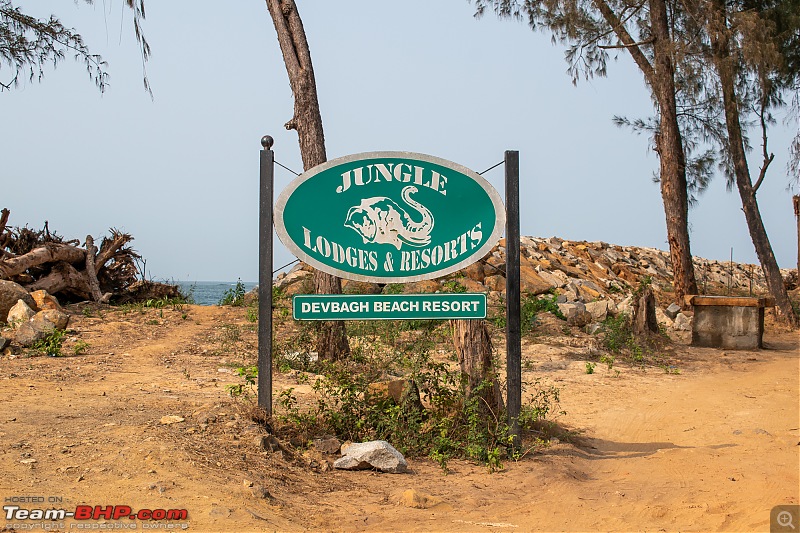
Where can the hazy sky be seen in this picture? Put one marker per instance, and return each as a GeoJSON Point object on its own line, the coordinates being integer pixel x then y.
{"type": "Point", "coordinates": [180, 172]}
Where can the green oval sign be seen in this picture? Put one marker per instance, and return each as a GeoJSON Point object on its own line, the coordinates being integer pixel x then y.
{"type": "Point", "coordinates": [389, 217]}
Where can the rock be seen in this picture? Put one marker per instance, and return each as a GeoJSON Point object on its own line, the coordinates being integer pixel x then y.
{"type": "Point", "coordinates": [591, 329]}
{"type": "Point", "coordinates": [4, 342]}
{"type": "Point", "coordinates": [672, 311]}
{"type": "Point", "coordinates": [471, 285]}
{"type": "Point", "coordinates": [171, 419]}
{"type": "Point", "coordinates": [50, 319]}
{"type": "Point", "coordinates": [553, 278]}
{"type": "Point", "coordinates": [662, 318]}
{"type": "Point", "coordinates": [360, 287]}
{"type": "Point", "coordinates": [495, 283]}
{"type": "Point", "coordinates": [297, 281]}
{"type": "Point", "coordinates": [388, 389]}
{"type": "Point", "coordinates": [329, 445]}
{"type": "Point", "coordinates": [418, 500]}
{"type": "Point", "coordinates": [45, 300]}
{"type": "Point", "coordinates": [598, 310]}
{"type": "Point", "coordinates": [10, 293]}
{"type": "Point", "coordinates": [377, 454]}
{"type": "Point", "coordinates": [531, 282]}
{"type": "Point", "coordinates": [19, 314]}
{"type": "Point", "coordinates": [251, 296]}
{"type": "Point", "coordinates": [576, 313]}
{"type": "Point", "coordinates": [421, 287]}
{"type": "Point", "coordinates": [26, 335]}
{"type": "Point", "coordinates": [475, 272]}
{"type": "Point", "coordinates": [682, 323]}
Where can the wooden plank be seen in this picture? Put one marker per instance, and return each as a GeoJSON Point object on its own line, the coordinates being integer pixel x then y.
{"type": "Point", "coordinates": [731, 301]}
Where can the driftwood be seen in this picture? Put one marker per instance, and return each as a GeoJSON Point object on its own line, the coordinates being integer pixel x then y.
{"type": "Point", "coordinates": [44, 260]}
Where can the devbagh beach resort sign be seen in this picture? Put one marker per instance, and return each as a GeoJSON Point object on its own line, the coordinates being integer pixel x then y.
{"type": "Point", "coordinates": [389, 217]}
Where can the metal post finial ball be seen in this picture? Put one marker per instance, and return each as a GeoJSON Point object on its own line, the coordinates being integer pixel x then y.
{"type": "Point", "coordinates": [267, 141]}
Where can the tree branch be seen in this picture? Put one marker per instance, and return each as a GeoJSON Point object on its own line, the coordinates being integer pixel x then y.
{"type": "Point", "coordinates": [610, 46]}
{"type": "Point", "coordinates": [619, 28]}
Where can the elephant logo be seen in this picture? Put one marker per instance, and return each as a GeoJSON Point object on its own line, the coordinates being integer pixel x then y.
{"type": "Point", "coordinates": [382, 220]}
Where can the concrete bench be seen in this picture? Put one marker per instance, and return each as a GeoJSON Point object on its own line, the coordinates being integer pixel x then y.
{"type": "Point", "coordinates": [728, 321]}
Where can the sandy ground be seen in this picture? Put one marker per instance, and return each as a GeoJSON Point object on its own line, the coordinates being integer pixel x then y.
{"type": "Point", "coordinates": [714, 447]}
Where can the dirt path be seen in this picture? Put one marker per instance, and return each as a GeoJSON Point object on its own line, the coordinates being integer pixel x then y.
{"type": "Point", "coordinates": [712, 448]}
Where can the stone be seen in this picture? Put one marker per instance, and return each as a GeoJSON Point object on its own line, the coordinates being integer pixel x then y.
{"type": "Point", "coordinates": [26, 335]}
{"type": "Point", "coordinates": [19, 314]}
{"type": "Point", "coordinates": [292, 278]}
{"type": "Point", "coordinates": [598, 310]}
{"type": "Point", "coordinates": [531, 282]}
{"type": "Point", "coordinates": [662, 318]}
{"type": "Point", "coordinates": [360, 287]}
{"type": "Point", "coordinates": [672, 311]}
{"type": "Point", "coordinates": [4, 342]}
{"type": "Point", "coordinates": [388, 389]}
{"type": "Point", "coordinates": [471, 285]}
{"type": "Point", "coordinates": [50, 319]}
{"type": "Point", "coordinates": [495, 283]}
{"type": "Point", "coordinates": [475, 272]}
{"type": "Point", "coordinates": [329, 445]}
{"type": "Point", "coordinates": [682, 323]}
{"type": "Point", "coordinates": [421, 287]}
{"type": "Point", "coordinates": [576, 314]}
{"type": "Point", "coordinates": [377, 454]}
{"type": "Point", "coordinates": [45, 300]}
{"type": "Point", "coordinates": [553, 278]}
{"type": "Point", "coordinates": [10, 293]}
{"type": "Point", "coordinates": [171, 419]}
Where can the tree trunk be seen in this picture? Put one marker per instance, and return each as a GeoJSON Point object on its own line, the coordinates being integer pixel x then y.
{"type": "Point", "coordinates": [726, 69]}
{"type": "Point", "coordinates": [796, 204]}
{"type": "Point", "coordinates": [49, 253]}
{"type": "Point", "coordinates": [91, 273]}
{"type": "Point", "coordinates": [669, 145]}
{"type": "Point", "coordinates": [474, 348]}
{"type": "Point", "coordinates": [63, 277]}
{"type": "Point", "coordinates": [307, 121]}
{"type": "Point", "coordinates": [644, 313]}
{"type": "Point", "coordinates": [660, 76]}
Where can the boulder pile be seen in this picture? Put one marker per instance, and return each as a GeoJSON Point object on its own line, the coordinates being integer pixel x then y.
{"type": "Point", "coordinates": [591, 279]}
{"type": "Point", "coordinates": [29, 317]}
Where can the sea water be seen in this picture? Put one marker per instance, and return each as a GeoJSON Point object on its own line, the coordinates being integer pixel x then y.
{"type": "Point", "coordinates": [210, 292]}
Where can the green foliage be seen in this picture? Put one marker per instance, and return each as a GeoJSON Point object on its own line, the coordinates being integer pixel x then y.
{"type": "Point", "coordinates": [250, 375]}
{"type": "Point", "coordinates": [453, 285]}
{"type": "Point", "coordinates": [234, 296]}
{"type": "Point", "coordinates": [252, 313]}
{"type": "Point", "coordinates": [590, 367]}
{"type": "Point", "coordinates": [27, 44]}
{"type": "Point", "coordinates": [80, 347]}
{"type": "Point", "coordinates": [393, 288]}
{"type": "Point", "coordinates": [51, 343]}
{"type": "Point", "coordinates": [530, 306]}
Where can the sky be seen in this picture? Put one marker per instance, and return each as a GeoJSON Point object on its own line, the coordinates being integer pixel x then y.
{"type": "Point", "coordinates": [180, 171]}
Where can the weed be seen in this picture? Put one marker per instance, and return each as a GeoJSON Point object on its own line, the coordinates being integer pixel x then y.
{"type": "Point", "coordinates": [608, 360]}
{"type": "Point", "coordinates": [234, 296]}
{"type": "Point", "coordinates": [393, 288]}
{"type": "Point", "coordinates": [249, 374]}
{"type": "Point", "coordinates": [252, 313]}
{"type": "Point", "coordinates": [590, 367]}
{"type": "Point", "coordinates": [453, 285]}
{"type": "Point", "coordinates": [80, 347]}
{"type": "Point", "coordinates": [51, 343]}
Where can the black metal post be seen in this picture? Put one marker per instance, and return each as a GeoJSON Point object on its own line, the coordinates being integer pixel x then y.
{"type": "Point", "coordinates": [513, 329]}
{"type": "Point", "coordinates": [267, 173]}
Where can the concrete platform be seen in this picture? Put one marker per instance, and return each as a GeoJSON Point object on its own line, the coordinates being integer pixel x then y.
{"type": "Point", "coordinates": [730, 322]}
